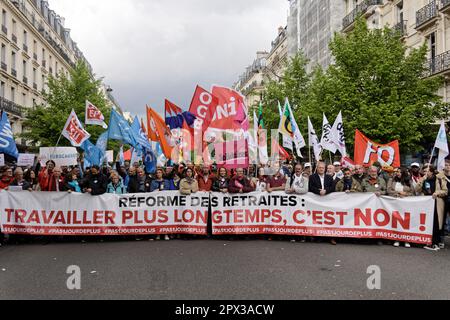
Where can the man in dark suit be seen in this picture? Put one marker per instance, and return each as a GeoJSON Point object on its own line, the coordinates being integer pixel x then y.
{"type": "Point", "coordinates": [320, 183]}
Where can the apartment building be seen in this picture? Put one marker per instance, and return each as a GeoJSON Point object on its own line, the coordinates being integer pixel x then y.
{"type": "Point", "coordinates": [34, 44]}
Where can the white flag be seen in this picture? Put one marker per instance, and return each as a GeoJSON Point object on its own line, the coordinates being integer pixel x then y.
{"type": "Point", "coordinates": [338, 135]}
{"type": "Point", "coordinates": [442, 145]}
{"type": "Point", "coordinates": [326, 142]}
{"type": "Point", "coordinates": [298, 137]}
{"type": "Point", "coordinates": [74, 131]}
{"type": "Point", "coordinates": [314, 141]}
{"type": "Point", "coordinates": [94, 116]}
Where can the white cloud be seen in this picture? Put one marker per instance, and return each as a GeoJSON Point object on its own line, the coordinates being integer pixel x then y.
{"type": "Point", "coordinates": [148, 50]}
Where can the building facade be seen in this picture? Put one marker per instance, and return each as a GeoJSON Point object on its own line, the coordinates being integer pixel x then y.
{"type": "Point", "coordinates": [278, 56]}
{"type": "Point", "coordinates": [311, 26]}
{"type": "Point", "coordinates": [34, 44]}
{"type": "Point", "coordinates": [419, 21]}
{"type": "Point", "coordinates": [251, 82]}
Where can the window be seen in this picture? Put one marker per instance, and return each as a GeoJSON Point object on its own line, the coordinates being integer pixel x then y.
{"type": "Point", "coordinates": [13, 60]}
{"type": "Point", "coordinates": [13, 94]}
{"type": "Point", "coordinates": [2, 89]}
{"type": "Point", "coordinates": [3, 53]}
{"type": "Point", "coordinates": [25, 40]}
{"type": "Point", "coordinates": [3, 18]}
{"type": "Point", "coordinates": [24, 99]}
{"type": "Point", "coordinates": [34, 75]}
{"type": "Point", "coordinates": [14, 27]}
{"type": "Point", "coordinates": [24, 68]}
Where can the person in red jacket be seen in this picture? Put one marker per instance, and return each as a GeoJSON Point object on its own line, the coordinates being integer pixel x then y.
{"type": "Point", "coordinates": [205, 179]}
{"type": "Point", "coordinates": [47, 179]}
{"type": "Point", "coordinates": [240, 183]}
{"type": "Point", "coordinates": [6, 178]}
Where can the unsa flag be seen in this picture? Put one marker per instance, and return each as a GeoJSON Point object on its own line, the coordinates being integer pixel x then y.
{"type": "Point", "coordinates": [74, 131]}
{"type": "Point", "coordinates": [94, 116]}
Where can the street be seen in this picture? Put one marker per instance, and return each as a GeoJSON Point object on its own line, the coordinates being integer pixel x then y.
{"type": "Point", "coordinates": [218, 269]}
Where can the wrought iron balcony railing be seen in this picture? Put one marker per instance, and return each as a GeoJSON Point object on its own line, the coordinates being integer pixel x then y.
{"type": "Point", "coordinates": [402, 28]}
{"type": "Point", "coordinates": [438, 64]}
{"type": "Point", "coordinates": [427, 13]}
{"type": "Point", "coordinates": [445, 4]}
{"type": "Point", "coordinates": [11, 107]}
{"type": "Point", "coordinates": [359, 10]}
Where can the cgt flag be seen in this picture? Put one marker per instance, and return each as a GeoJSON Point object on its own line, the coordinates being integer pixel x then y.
{"type": "Point", "coordinates": [74, 131]}
{"type": "Point", "coordinates": [94, 116]}
{"type": "Point", "coordinates": [368, 152]}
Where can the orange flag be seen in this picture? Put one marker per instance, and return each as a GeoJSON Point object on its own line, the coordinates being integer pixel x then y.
{"type": "Point", "coordinates": [159, 132]}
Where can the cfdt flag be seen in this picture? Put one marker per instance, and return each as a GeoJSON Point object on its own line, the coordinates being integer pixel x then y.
{"type": "Point", "coordinates": [119, 129]}
{"type": "Point", "coordinates": [7, 142]}
{"type": "Point", "coordinates": [140, 136]}
{"type": "Point", "coordinates": [74, 131]}
{"type": "Point", "coordinates": [92, 153]}
{"type": "Point", "coordinates": [368, 152]}
{"type": "Point", "coordinates": [94, 116]}
{"type": "Point", "coordinates": [442, 145]}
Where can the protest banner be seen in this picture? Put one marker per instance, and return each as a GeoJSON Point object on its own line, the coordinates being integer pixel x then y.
{"type": "Point", "coordinates": [63, 156]}
{"type": "Point", "coordinates": [110, 156]}
{"type": "Point", "coordinates": [25, 160]}
{"type": "Point", "coordinates": [64, 214]}
{"type": "Point", "coordinates": [362, 216]}
{"type": "Point", "coordinates": [2, 159]}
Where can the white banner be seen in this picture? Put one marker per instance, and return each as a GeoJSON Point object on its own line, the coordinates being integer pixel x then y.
{"type": "Point", "coordinates": [25, 160]}
{"type": "Point", "coordinates": [338, 215]}
{"type": "Point", "coordinates": [2, 159]}
{"type": "Point", "coordinates": [63, 156]}
{"type": "Point", "coordinates": [110, 156]}
{"type": "Point", "coordinates": [45, 213]}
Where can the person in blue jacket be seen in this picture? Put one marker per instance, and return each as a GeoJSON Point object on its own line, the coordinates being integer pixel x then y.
{"type": "Point", "coordinates": [116, 186]}
{"type": "Point", "coordinates": [161, 184]}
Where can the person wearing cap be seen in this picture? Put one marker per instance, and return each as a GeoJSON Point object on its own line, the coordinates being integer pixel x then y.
{"type": "Point", "coordinates": [415, 174]}
{"type": "Point", "coordinates": [307, 169]}
{"type": "Point", "coordinates": [338, 170]}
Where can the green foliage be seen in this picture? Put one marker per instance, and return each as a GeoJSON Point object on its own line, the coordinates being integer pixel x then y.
{"type": "Point", "coordinates": [44, 123]}
{"type": "Point", "coordinates": [378, 84]}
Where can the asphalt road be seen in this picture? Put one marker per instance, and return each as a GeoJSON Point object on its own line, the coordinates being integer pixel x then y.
{"type": "Point", "coordinates": [215, 269]}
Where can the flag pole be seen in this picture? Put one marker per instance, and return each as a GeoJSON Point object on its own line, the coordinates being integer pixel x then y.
{"type": "Point", "coordinates": [431, 156]}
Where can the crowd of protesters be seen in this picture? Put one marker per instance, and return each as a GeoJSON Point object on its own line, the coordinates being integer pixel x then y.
{"type": "Point", "coordinates": [321, 180]}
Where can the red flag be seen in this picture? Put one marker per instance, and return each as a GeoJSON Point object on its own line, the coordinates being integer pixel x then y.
{"type": "Point", "coordinates": [159, 132]}
{"type": "Point", "coordinates": [74, 131]}
{"type": "Point", "coordinates": [368, 152]}
{"type": "Point", "coordinates": [280, 151]}
{"type": "Point", "coordinates": [203, 106]}
{"type": "Point", "coordinates": [228, 115]}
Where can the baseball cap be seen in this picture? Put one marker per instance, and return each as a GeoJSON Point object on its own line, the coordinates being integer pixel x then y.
{"type": "Point", "coordinates": [337, 163]}
{"type": "Point", "coordinates": [307, 165]}
{"type": "Point", "coordinates": [415, 164]}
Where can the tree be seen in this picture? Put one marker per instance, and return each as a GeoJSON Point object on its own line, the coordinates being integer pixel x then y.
{"type": "Point", "coordinates": [44, 123]}
{"type": "Point", "coordinates": [379, 85]}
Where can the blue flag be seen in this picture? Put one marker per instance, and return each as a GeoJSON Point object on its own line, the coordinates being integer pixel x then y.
{"type": "Point", "coordinates": [102, 144]}
{"type": "Point", "coordinates": [92, 154]}
{"type": "Point", "coordinates": [139, 136]}
{"type": "Point", "coordinates": [119, 129]}
{"type": "Point", "coordinates": [7, 142]}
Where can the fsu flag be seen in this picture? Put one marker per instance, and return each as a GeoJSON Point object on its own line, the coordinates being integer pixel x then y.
{"type": "Point", "coordinates": [368, 152]}
{"type": "Point", "coordinates": [233, 154]}
{"type": "Point", "coordinates": [74, 131]}
{"type": "Point", "coordinates": [94, 116]}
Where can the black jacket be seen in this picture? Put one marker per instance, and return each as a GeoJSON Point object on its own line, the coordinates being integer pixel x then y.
{"type": "Point", "coordinates": [98, 184]}
{"type": "Point", "coordinates": [315, 185]}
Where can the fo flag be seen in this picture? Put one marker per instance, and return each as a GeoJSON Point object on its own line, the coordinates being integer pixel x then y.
{"type": "Point", "coordinates": [7, 142]}
{"type": "Point", "coordinates": [74, 131]}
{"type": "Point", "coordinates": [442, 145]}
{"type": "Point", "coordinates": [94, 116]}
{"type": "Point", "coordinates": [368, 152]}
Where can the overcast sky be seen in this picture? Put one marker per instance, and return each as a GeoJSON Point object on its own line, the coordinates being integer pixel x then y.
{"type": "Point", "coordinates": [148, 50]}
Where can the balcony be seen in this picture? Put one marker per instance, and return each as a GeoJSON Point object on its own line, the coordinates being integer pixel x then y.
{"type": "Point", "coordinates": [14, 38]}
{"type": "Point", "coordinates": [445, 6]}
{"type": "Point", "coordinates": [438, 65]}
{"type": "Point", "coordinates": [427, 15]}
{"type": "Point", "coordinates": [14, 72]}
{"type": "Point", "coordinates": [4, 29]}
{"type": "Point", "coordinates": [360, 10]}
{"type": "Point", "coordinates": [4, 67]}
{"type": "Point", "coordinates": [11, 107]}
{"type": "Point", "coordinates": [402, 28]}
